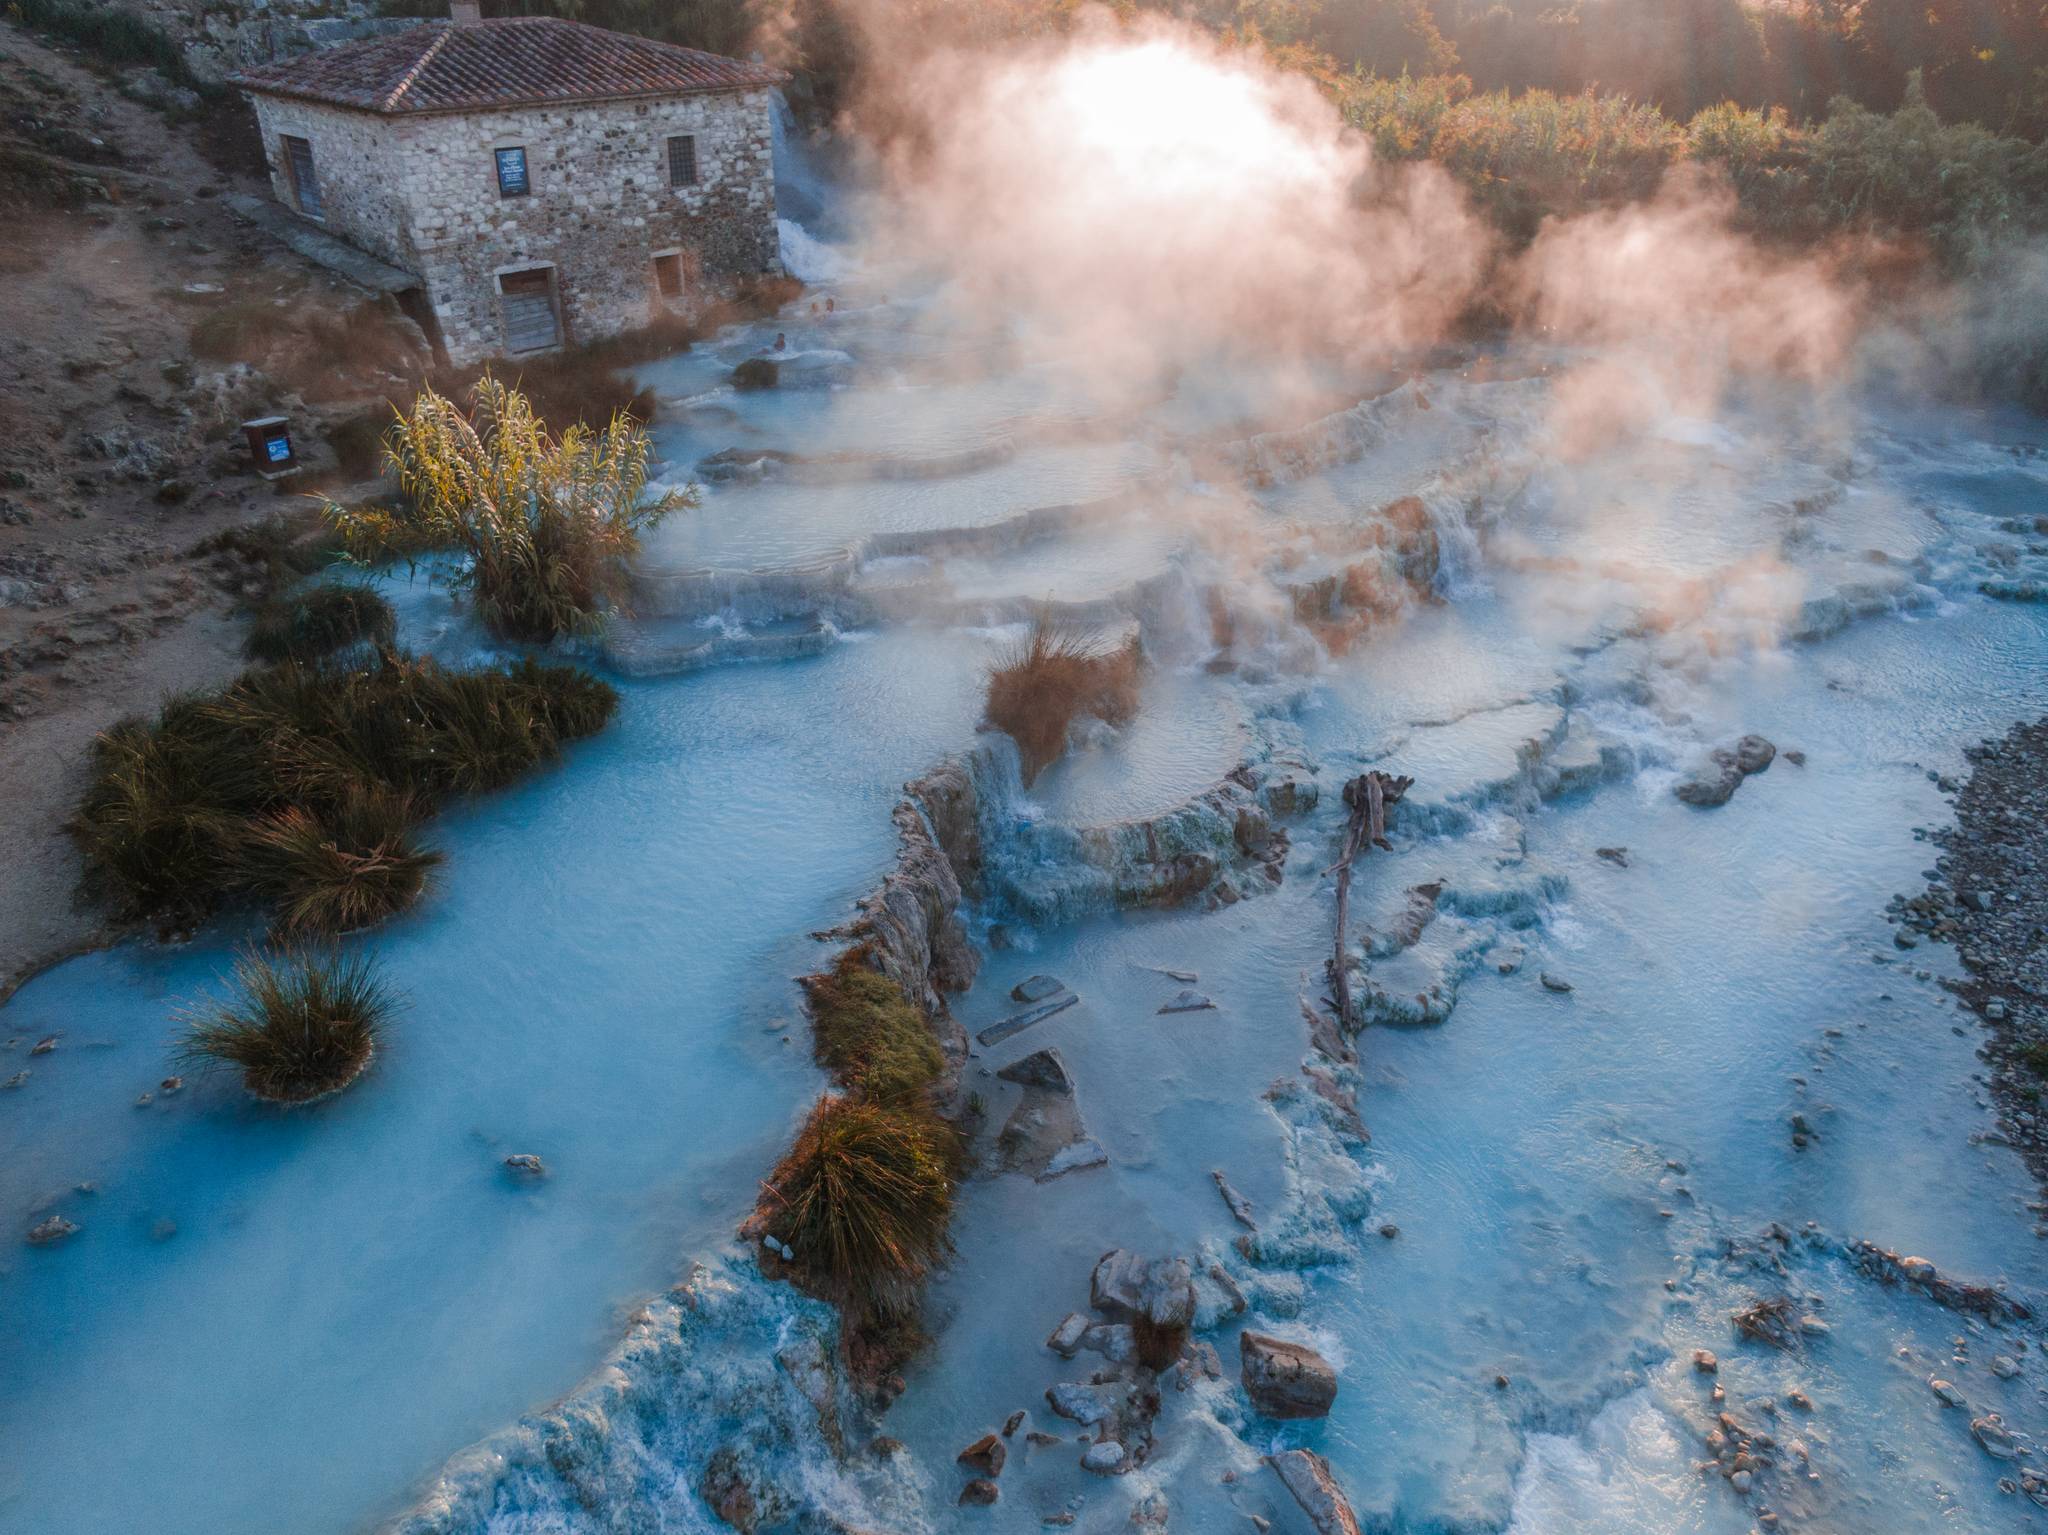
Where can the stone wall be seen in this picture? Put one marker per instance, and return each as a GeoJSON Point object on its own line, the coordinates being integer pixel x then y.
{"type": "Point", "coordinates": [422, 193]}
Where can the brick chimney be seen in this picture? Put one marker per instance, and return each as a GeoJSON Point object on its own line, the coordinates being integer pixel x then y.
{"type": "Point", "coordinates": [463, 11]}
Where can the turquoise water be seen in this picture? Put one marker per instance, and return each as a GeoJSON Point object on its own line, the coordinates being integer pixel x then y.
{"type": "Point", "coordinates": [293, 1321]}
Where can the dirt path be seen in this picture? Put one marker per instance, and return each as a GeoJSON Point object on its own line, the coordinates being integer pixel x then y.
{"type": "Point", "coordinates": [118, 454]}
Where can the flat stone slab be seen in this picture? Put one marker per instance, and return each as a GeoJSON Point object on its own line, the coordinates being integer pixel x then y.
{"type": "Point", "coordinates": [1188, 1002]}
{"type": "Point", "coordinates": [1017, 1023]}
{"type": "Point", "coordinates": [1037, 988]}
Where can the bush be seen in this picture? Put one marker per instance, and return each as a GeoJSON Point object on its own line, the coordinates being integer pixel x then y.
{"type": "Point", "coordinates": [302, 1028]}
{"type": "Point", "coordinates": [315, 624]}
{"type": "Point", "coordinates": [1035, 692]}
{"type": "Point", "coordinates": [549, 525]}
{"type": "Point", "coordinates": [297, 786]}
{"type": "Point", "coordinates": [866, 1193]}
{"type": "Point", "coordinates": [869, 1035]}
{"type": "Point", "coordinates": [112, 34]}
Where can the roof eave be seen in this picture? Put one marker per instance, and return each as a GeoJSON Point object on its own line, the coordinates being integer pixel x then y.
{"type": "Point", "coordinates": [289, 93]}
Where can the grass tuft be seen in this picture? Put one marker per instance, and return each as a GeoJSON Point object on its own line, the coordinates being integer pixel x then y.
{"type": "Point", "coordinates": [302, 1027]}
{"type": "Point", "coordinates": [1036, 691]}
{"type": "Point", "coordinates": [314, 624]}
{"type": "Point", "coordinates": [347, 868]}
{"type": "Point", "coordinates": [866, 1193]}
{"type": "Point", "coordinates": [869, 1035]}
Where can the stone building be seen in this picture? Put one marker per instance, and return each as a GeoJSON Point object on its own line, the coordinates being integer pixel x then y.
{"type": "Point", "coordinates": [546, 182]}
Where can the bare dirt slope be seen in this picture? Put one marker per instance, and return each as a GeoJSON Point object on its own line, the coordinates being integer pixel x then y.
{"type": "Point", "coordinates": [118, 445]}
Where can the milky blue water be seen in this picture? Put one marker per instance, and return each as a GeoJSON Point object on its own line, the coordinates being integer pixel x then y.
{"type": "Point", "coordinates": [291, 1321]}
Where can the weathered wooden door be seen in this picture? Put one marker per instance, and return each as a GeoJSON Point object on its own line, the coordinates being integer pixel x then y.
{"type": "Point", "coordinates": [532, 322]}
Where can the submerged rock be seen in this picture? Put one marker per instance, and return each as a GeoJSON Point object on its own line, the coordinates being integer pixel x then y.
{"type": "Point", "coordinates": [1042, 1069]}
{"type": "Point", "coordinates": [1553, 982]}
{"type": "Point", "coordinates": [1286, 1379]}
{"type": "Point", "coordinates": [526, 1162]}
{"type": "Point", "coordinates": [1105, 1458]}
{"type": "Point", "coordinates": [1036, 988]}
{"type": "Point", "coordinates": [979, 1492]}
{"type": "Point", "coordinates": [1065, 1339]}
{"type": "Point", "coordinates": [54, 1230]}
{"type": "Point", "coordinates": [1188, 1002]}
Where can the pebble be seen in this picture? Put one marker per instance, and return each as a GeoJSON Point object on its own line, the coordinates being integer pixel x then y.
{"type": "Point", "coordinates": [170, 1085]}
{"type": "Point", "coordinates": [527, 1162]}
{"type": "Point", "coordinates": [1946, 1390]}
{"type": "Point", "coordinates": [1103, 1458]}
{"type": "Point", "coordinates": [1703, 1360]}
{"type": "Point", "coordinates": [2004, 1366]}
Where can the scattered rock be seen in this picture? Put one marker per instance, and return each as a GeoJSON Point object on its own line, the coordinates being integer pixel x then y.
{"type": "Point", "coordinates": [22, 1076]}
{"type": "Point", "coordinates": [1240, 1207]}
{"type": "Point", "coordinates": [1617, 856]}
{"type": "Point", "coordinates": [53, 1230]}
{"type": "Point", "coordinates": [979, 1492]}
{"type": "Point", "coordinates": [2004, 1366]}
{"type": "Point", "coordinates": [44, 1045]}
{"type": "Point", "coordinates": [1946, 1390]}
{"type": "Point", "coordinates": [1188, 1002]}
{"type": "Point", "coordinates": [1066, 1338]}
{"type": "Point", "coordinates": [1703, 1360]}
{"type": "Point", "coordinates": [1043, 1069]}
{"type": "Point", "coordinates": [1794, 756]}
{"type": "Point", "coordinates": [1726, 767]}
{"type": "Point", "coordinates": [1990, 1432]}
{"type": "Point", "coordinates": [526, 1162]}
{"type": "Point", "coordinates": [1017, 1023]}
{"type": "Point", "coordinates": [1307, 1476]}
{"type": "Point", "coordinates": [985, 1455]}
{"type": "Point", "coordinates": [1078, 1402]}
{"type": "Point", "coordinates": [1036, 988]}
{"type": "Point", "coordinates": [1105, 1458]}
{"type": "Point", "coordinates": [1285, 1379]}
{"type": "Point", "coordinates": [1011, 1423]}
{"type": "Point", "coordinates": [1553, 982]}
{"type": "Point", "coordinates": [170, 1085]}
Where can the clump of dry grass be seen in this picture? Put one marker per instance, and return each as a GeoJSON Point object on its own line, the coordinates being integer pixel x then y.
{"type": "Point", "coordinates": [302, 1028]}
{"type": "Point", "coordinates": [1037, 690]}
{"type": "Point", "coordinates": [865, 1196]}
{"type": "Point", "coordinates": [869, 1035]}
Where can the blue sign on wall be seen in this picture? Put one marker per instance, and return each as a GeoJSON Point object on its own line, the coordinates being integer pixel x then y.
{"type": "Point", "coordinates": [512, 173]}
{"type": "Point", "coordinates": [278, 448]}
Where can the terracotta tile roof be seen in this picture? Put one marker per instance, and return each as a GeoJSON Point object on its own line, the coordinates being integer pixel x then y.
{"type": "Point", "coordinates": [519, 61]}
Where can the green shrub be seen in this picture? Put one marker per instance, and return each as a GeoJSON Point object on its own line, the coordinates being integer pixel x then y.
{"type": "Point", "coordinates": [316, 623]}
{"type": "Point", "coordinates": [865, 1196]}
{"type": "Point", "coordinates": [2035, 1058]}
{"type": "Point", "coordinates": [869, 1035]}
{"type": "Point", "coordinates": [1035, 691]}
{"type": "Point", "coordinates": [236, 795]}
{"type": "Point", "coordinates": [549, 525]}
{"type": "Point", "coordinates": [301, 1029]}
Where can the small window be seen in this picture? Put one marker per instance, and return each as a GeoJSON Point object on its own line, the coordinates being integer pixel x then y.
{"type": "Point", "coordinates": [298, 164]}
{"type": "Point", "coordinates": [512, 180]}
{"type": "Point", "coordinates": [668, 275]}
{"type": "Point", "coordinates": [682, 160]}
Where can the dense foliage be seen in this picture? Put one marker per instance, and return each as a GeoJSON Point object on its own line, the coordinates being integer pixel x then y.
{"type": "Point", "coordinates": [300, 788]}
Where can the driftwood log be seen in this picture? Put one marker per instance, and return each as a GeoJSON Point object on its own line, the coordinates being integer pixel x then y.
{"type": "Point", "coordinates": [1368, 796]}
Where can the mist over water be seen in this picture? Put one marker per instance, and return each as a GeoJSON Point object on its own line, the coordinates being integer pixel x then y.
{"type": "Point", "coordinates": [1126, 326]}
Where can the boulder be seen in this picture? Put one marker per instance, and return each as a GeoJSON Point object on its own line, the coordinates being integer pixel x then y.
{"type": "Point", "coordinates": [1725, 768]}
{"type": "Point", "coordinates": [1286, 1379]}
{"type": "Point", "coordinates": [1037, 988]}
{"type": "Point", "coordinates": [1306, 1475]}
{"type": "Point", "coordinates": [54, 1230]}
{"type": "Point", "coordinates": [1188, 1002]}
{"type": "Point", "coordinates": [1042, 1068]}
{"type": "Point", "coordinates": [980, 1492]}
{"type": "Point", "coordinates": [757, 373]}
